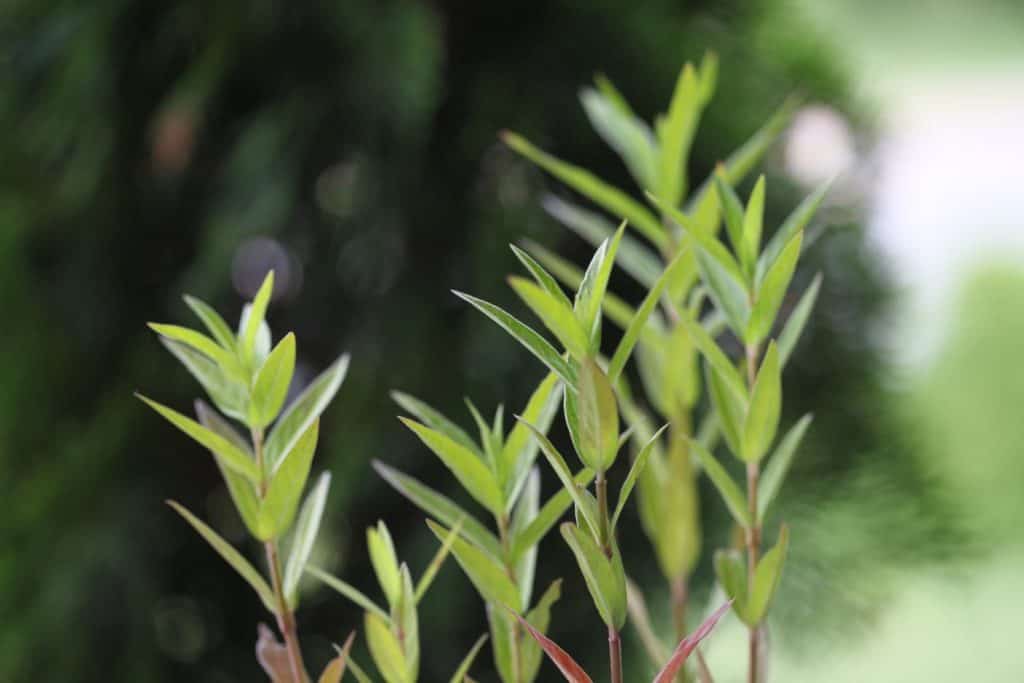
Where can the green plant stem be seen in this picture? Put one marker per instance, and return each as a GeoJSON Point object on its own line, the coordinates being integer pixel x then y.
{"type": "Point", "coordinates": [753, 533]}
{"type": "Point", "coordinates": [615, 654]}
{"type": "Point", "coordinates": [285, 616]}
{"type": "Point", "coordinates": [679, 590]}
{"type": "Point", "coordinates": [503, 533]}
{"type": "Point", "coordinates": [601, 488]}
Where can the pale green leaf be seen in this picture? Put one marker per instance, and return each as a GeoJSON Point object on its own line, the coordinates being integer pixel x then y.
{"type": "Point", "coordinates": [732, 209]}
{"type": "Point", "coordinates": [270, 386]}
{"type": "Point", "coordinates": [598, 417]}
{"type": "Point", "coordinates": [773, 289]}
{"type": "Point", "coordinates": [406, 623]}
{"type": "Point", "coordinates": [460, 674]}
{"type": "Point", "coordinates": [286, 484]}
{"type": "Point", "coordinates": [473, 474]}
{"type": "Point", "coordinates": [227, 393]}
{"type": "Point", "coordinates": [243, 494]}
{"type": "Point", "coordinates": [350, 592]}
{"type": "Point", "coordinates": [437, 561]}
{"type": "Point", "coordinates": [725, 285]}
{"type": "Point", "coordinates": [384, 561]}
{"type": "Point", "coordinates": [520, 449]}
{"type": "Point", "coordinates": [257, 313]}
{"type": "Point", "coordinates": [608, 595]}
{"type": "Point", "coordinates": [765, 407]}
{"type": "Point", "coordinates": [525, 564]}
{"type": "Point", "coordinates": [730, 410]}
{"type": "Point", "coordinates": [794, 326]}
{"type": "Point", "coordinates": [729, 490]}
{"type": "Point", "coordinates": [231, 556]}
{"type": "Point", "coordinates": [714, 355]}
{"type": "Point", "coordinates": [486, 574]}
{"type": "Point", "coordinates": [201, 343]}
{"type": "Point", "coordinates": [213, 321]}
{"type": "Point", "coordinates": [440, 507]}
{"type": "Point", "coordinates": [630, 137]}
{"type": "Point", "coordinates": [542, 277]}
{"type": "Point", "coordinates": [306, 408]}
{"type": "Point", "coordinates": [794, 223]}
{"type": "Point", "coordinates": [612, 199]}
{"type": "Point", "coordinates": [753, 225]}
{"type": "Point", "coordinates": [675, 134]}
{"type": "Point", "coordinates": [767, 577]}
{"type": "Point", "coordinates": [587, 305]}
{"type": "Point", "coordinates": [547, 516]}
{"type": "Point", "coordinates": [778, 465]}
{"type": "Point", "coordinates": [228, 453]}
{"type": "Point", "coordinates": [634, 473]}
{"type": "Point", "coordinates": [304, 536]}
{"type": "Point", "coordinates": [434, 419]}
{"type": "Point", "coordinates": [540, 618]}
{"type": "Point", "coordinates": [385, 649]}
{"type": "Point", "coordinates": [525, 335]}
{"type": "Point", "coordinates": [556, 316]}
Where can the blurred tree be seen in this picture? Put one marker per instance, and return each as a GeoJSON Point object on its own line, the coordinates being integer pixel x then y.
{"type": "Point", "coordinates": [158, 148]}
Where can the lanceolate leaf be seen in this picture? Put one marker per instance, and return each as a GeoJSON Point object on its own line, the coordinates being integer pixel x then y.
{"type": "Point", "coordinates": [765, 406]}
{"type": "Point", "coordinates": [730, 410]}
{"type": "Point", "coordinates": [286, 485]}
{"type": "Point", "coordinates": [572, 671]}
{"type": "Point", "coordinates": [606, 588]}
{"type": "Point", "coordinates": [304, 536]}
{"type": "Point", "coordinates": [435, 420]}
{"type": "Point", "coordinates": [525, 335]}
{"type": "Point", "coordinates": [271, 384]}
{"type": "Point", "coordinates": [542, 277]}
{"type": "Point", "coordinates": [228, 394]}
{"type": "Point", "coordinates": [335, 670]}
{"type": "Point", "coordinates": [598, 417]}
{"type": "Point", "coordinates": [732, 209]}
{"type": "Point", "coordinates": [675, 133]}
{"type": "Point", "coordinates": [634, 473]}
{"type": "Point", "coordinates": [460, 674]}
{"type": "Point", "coordinates": [471, 472]}
{"type": "Point", "coordinates": [728, 291]}
{"type": "Point", "coordinates": [294, 422]}
{"type": "Point", "coordinates": [633, 257]}
{"type": "Point", "coordinates": [594, 285]}
{"type": "Point", "coordinates": [198, 341]}
{"type": "Point", "coordinates": [639, 321]}
{"type": "Point", "coordinates": [630, 137]}
{"type": "Point", "coordinates": [385, 649]}
{"type": "Point", "coordinates": [435, 563]}
{"type": "Point", "coordinates": [548, 516]}
{"type": "Point", "coordinates": [243, 494]}
{"type": "Point", "coordinates": [711, 351]}
{"type": "Point", "coordinates": [213, 321]}
{"type": "Point", "coordinates": [384, 561]}
{"type": "Point", "coordinates": [257, 312]}
{"type": "Point", "coordinates": [440, 507]}
{"type": "Point", "coordinates": [555, 315]}
{"type": "Point", "coordinates": [540, 618]}
{"type": "Point", "coordinates": [731, 570]}
{"type": "Point", "coordinates": [349, 592]}
{"type": "Point", "coordinates": [773, 289]}
{"type": "Point", "coordinates": [613, 200]}
{"type": "Point", "coordinates": [795, 223]}
{"type": "Point", "coordinates": [231, 556]}
{"type": "Point", "coordinates": [753, 222]}
{"type": "Point", "coordinates": [229, 454]}
{"type": "Point", "coordinates": [778, 465]}
{"type": "Point", "coordinates": [688, 644]}
{"type": "Point", "coordinates": [485, 573]}
{"type": "Point", "coordinates": [794, 326]}
{"type": "Point", "coordinates": [767, 577]}
{"type": "Point", "coordinates": [730, 491]}
{"type": "Point", "coordinates": [520, 449]}
{"type": "Point", "coordinates": [406, 625]}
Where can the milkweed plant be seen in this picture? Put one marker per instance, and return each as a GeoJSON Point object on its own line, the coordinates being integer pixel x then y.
{"type": "Point", "coordinates": [651, 411]}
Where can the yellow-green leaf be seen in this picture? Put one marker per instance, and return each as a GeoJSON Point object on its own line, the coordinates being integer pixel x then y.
{"type": "Point", "coordinates": [729, 490]}
{"type": "Point", "coordinates": [765, 406]}
{"type": "Point", "coordinates": [304, 537]}
{"type": "Point", "coordinates": [485, 573]}
{"type": "Point", "coordinates": [257, 313]}
{"type": "Point", "coordinates": [271, 384]}
{"type": "Point", "coordinates": [286, 484]}
{"type": "Point", "coordinates": [556, 315]}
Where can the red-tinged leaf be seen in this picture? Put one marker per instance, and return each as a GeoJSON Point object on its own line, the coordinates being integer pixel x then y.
{"type": "Point", "coordinates": [335, 669]}
{"type": "Point", "coordinates": [273, 656]}
{"type": "Point", "coordinates": [572, 671]}
{"type": "Point", "coordinates": [688, 644]}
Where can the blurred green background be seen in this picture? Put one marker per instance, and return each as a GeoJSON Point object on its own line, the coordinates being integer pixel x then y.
{"type": "Point", "coordinates": [151, 149]}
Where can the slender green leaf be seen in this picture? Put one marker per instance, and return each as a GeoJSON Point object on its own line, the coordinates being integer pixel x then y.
{"type": "Point", "coordinates": [308, 407]}
{"type": "Point", "coordinates": [773, 289]}
{"type": "Point", "coordinates": [520, 449]}
{"type": "Point", "coordinates": [708, 76]}
{"type": "Point", "coordinates": [608, 595]}
{"type": "Point", "coordinates": [285, 488]}
{"type": "Point", "coordinates": [484, 572]}
{"type": "Point", "coordinates": [714, 355]}
{"type": "Point", "coordinates": [675, 133]}
{"type": "Point", "coordinates": [440, 507]}
{"type": "Point", "coordinates": [614, 308]}
{"type": "Point", "coordinates": [525, 565]}
{"type": "Point", "coordinates": [639, 321]}
{"type": "Point", "coordinates": [593, 287]}
{"type": "Point", "coordinates": [542, 277]}
{"type": "Point", "coordinates": [350, 592]}
{"type": "Point", "coordinates": [406, 625]}
{"type": "Point", "coordinates": [728, 291]}
{"type": "Point", "coordinates": [630, 137]}
{"type": "Point", "coordinates": [634, 473]}
{"type": "Point", "coordinates": [228, 454]}
{"type": "Point", "coordinates": [794, 326]}
{"type": "Point", "coordinates": [778, 465]}
{"type": "Point", "coordinates": [571, 670]}
{"type": "Point", "coordinates": [384, 561]}
{"type": "Point", "coordinates": [500, 623]}
{"type": "Point", "coordinates": [765, 407]}
{"type": "Point", "coordinates": [613, 200]}
{"type": "Point", "coordinates": [304, 536]}
{"type": "Point", "coordinates": [612, 94]}
{"type": "Point", "coordinates": [598, 417]}
{"type": "Point", "coordinates": [633, 256]}
{"type": "Point", "coordinates": [767, 577]}
{"type": "Point", "coordinates": [474, 476]}
{"type": "Point", "coordinates": [540, 618]}
{"type": "Point", "coordinates": [335, 669]}
{"type": "Point", "coordinates": [257, 313]}
{"type": "Point", "coordinates": [460, 674]}
{"type": "Point", "coordinates": [547, 516]}
{"type": "Point", "coordinates": [732, 209]}
{"type": "Point", "coordinates": [270, 386]}
{"type": "Point", "coordinates": [216, 325]}
{"type": "Point", "coordinates": [731, 570]}
{"type": "Point", "coordinates": [688, 644]}
{"type": "Point", "coordinates": [526, 336]}
{"type": "Point", "coordinates": [486, 437]}
{"type": "Point", "coordinates": [230, 555]}
{"type": "Point", "coordinates": [556, 316]}
{"type": "Point", "coordinates": [243, 494]}
{"type": "Point", "coordinates": [753, 222]}
{"type": "Point", "coordinates": [794, 223]}
{"type": "Point", "coordinates": [563, 473]}
{"type": "Point", "coordinates": [201, 343]}
{"type": "Point", "coordinates": [640, 619]}
{"type": "Point", "coordinates": [437, 561]}
{"type": "Point", "coordinates": [228, 394]}
{"type": "Point", "coordinates": [729, 409]}
{"type": "Point", "coordinates": [730, 491]}
{"type": "Point", "coordinates": [385, 649]}
{"type": "Point", "coordinates": [357, 671]}
{"type": "Point", "coordinates": [435, 420]}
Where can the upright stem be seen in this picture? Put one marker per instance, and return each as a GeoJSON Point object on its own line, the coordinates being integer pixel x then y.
{"type": "Point", "coordinates": [753, 535]}
{"type": "Point", "coordinates": [679, 590]}
{"type": "Point", "coordinates": [510, 570]}
{"type": "Point", "coordinates": [284, 614]}
{"type": "Point", "coordinates": [601, 486]}
{"type": "Point", "coordinates": [615, 654]}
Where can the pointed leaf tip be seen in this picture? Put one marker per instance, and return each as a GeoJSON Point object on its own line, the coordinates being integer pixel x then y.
{"type": "Point", "coordinates": [688, 644]}
{"type": "Point", "coordinates": [572, 671]}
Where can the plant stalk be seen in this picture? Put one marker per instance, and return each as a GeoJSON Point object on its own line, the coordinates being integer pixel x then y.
{"type": "Point", "coordinates": [615, 654]}
{"type": "Point", "coordinates": [517, 659]}
{"type": "Point", "coordinates": [680, 593]}
{"type": "Point", "coordinates": [284, 614]}
{"type": "Point", "coordinates": [753, 534]}
{"type": "Point", "coordinates": [603, 532]}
